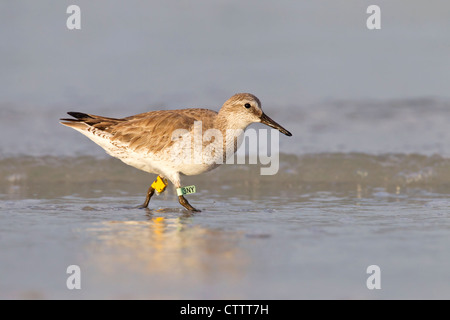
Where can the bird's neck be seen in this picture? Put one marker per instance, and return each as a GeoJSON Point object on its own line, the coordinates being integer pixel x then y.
{"type": "Point", "coordinates": [232, 130]}
{"type": "Point", "coordinates": [228, 121]}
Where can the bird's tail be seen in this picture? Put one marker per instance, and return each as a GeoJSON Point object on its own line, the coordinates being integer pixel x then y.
{"type": "Point", "coordinates": [81, 119]}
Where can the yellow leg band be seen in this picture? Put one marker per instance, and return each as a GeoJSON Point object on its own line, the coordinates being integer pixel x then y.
{"type": "Point", "coordinates": [159, 184]}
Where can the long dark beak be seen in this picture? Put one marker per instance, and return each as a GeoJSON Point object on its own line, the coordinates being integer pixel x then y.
{"type": "Point", "coordinates": [267, 121]}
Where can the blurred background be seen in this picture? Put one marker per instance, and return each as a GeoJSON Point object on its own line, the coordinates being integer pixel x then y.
{"type": "Point", "coordinates": [314, 64]}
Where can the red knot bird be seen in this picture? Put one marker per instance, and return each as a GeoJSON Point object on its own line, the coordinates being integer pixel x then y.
{"type": "Point", "coordinates": [148, 142]}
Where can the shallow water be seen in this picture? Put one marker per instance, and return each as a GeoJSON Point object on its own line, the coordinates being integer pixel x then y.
{"type": "Point", "coordinates": [307, 233]}
{"type": "Point", "coordinates": [358, 184]}
{"type": "Point", "coordinates": [363, 181]}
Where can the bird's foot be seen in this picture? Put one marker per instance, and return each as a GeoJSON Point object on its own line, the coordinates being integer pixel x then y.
{"type": "Point", "coordinates": [186, 204]}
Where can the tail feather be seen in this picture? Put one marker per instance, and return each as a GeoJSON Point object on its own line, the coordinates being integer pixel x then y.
{"type": "Point", "coordinates": [101, 123]}
{"type": "Point", "coordinates": [79, 116]}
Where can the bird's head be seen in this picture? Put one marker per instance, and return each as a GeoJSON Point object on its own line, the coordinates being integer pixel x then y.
{"type": "Point", "coordinates": [243, 109]}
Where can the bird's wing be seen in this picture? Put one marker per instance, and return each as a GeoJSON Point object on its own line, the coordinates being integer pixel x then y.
{"type": "Point", "coordinates": [148, 132]}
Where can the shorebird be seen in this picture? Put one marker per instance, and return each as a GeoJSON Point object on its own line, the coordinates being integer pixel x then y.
{"type": "Point", "coordinates": [148, 142]}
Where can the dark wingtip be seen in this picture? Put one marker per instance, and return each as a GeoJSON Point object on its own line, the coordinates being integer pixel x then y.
{"type": "Point", "coordinates": [79, 116]}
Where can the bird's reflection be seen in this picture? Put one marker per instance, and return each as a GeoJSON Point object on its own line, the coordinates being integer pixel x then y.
{"type": "Point", "coordinates": [167, 244]}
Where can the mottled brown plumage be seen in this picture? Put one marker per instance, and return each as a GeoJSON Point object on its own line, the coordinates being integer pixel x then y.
{"type": "Point", "coordinates": [148, 131]}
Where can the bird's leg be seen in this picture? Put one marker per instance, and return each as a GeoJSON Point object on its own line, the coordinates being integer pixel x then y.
{"type": "Point", "coordinates": [182, 191]}
{"type": "Point", "coordinates": [150, 193]}
{"type": "Point", "coordinates": [158, 185]}
{"type": "Point", "coordinates": [186, 204]}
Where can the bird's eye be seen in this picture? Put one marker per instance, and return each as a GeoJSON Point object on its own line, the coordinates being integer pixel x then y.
{"type": "Point", "coordinates": [247, 105]}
